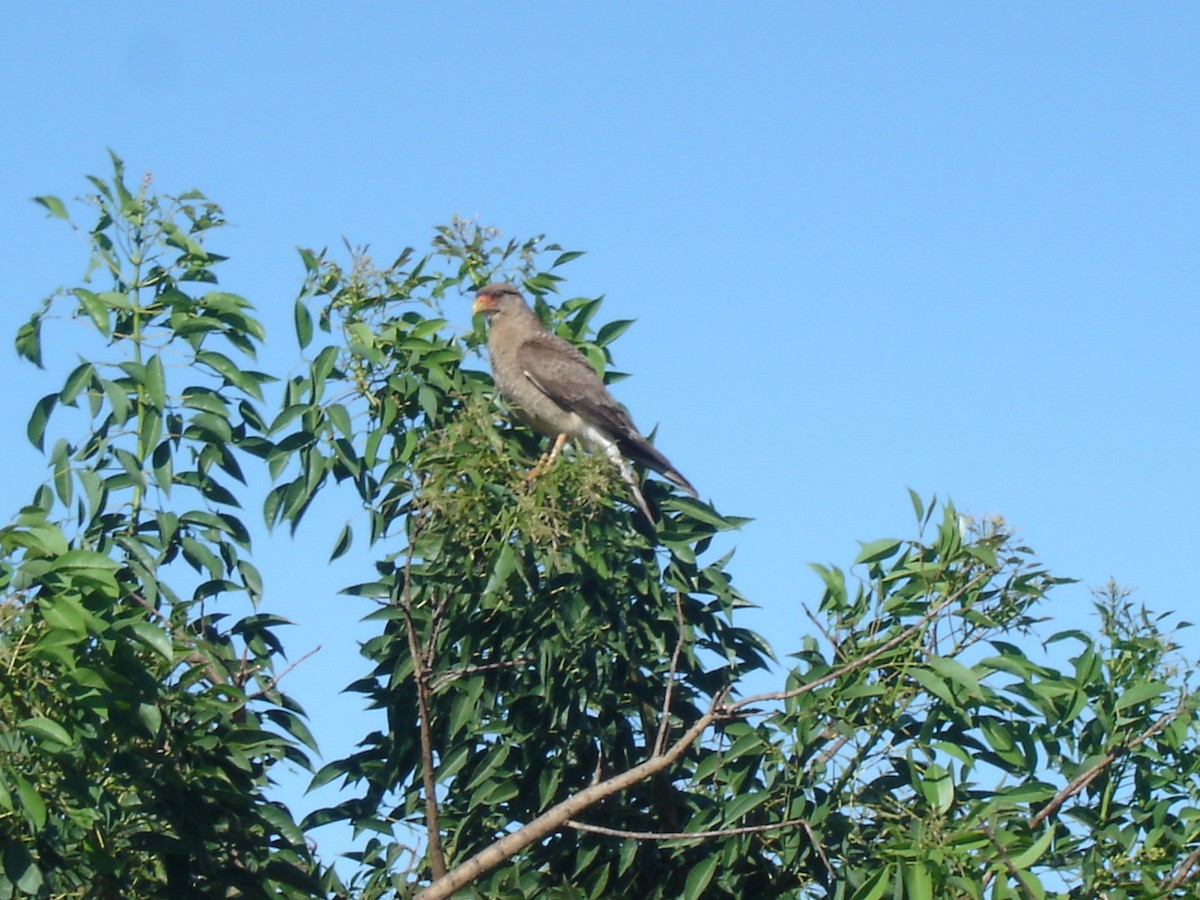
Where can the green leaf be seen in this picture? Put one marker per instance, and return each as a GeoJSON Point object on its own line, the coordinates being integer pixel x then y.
{"type": "Point", "coordinates": [82, 560]}
{"type": "Point", "coordinates": [154, 638]}
{"type": "Point", "coordinates": [918, 881]}
{"type": "Point", "coordinates": [55, 207]}
{"type": "Point", "coordinates": [304, 324]}
{"type": "Point", "coordinates": [876, 886]}
{"type": "Point", "coordinates": [744, 803]}
{"type": "Point", "coordinates": [340, 419]}
{"type": "Point", "coordinates": [36, 428]}
{"type": "Point", "coordinates": [701, 512]}
{"type": "Point", "coordinates": [1140, 693]}
{"type": "Point", "coordinates": [343, 542]}
{"type": "Point", "coordinates": [151, 718]}
{"type": "Point", "coordinates": [155, 382]}
{"type": "Point", "coordinates": [952, 670]}
{"type": "Point", "coordinates": [1034, 852]}
{"type": "Point", "coordinates": [96, 309]}
{"type": "Point", "coordinates": [566, 257]}
{"type": "Point", "coordinates": [699, 877]}
{"type": "Point", "coordinates": [938, 787]}
{"type": "Point", "coordinates": [231, 372]}
{"type": "Point", "coordinates": [878, 550]}
{"type": "Point", "coordinates": [79, 378]}
{"type": "Point", "coordinates": [20, 869]}
{"type": "Point", "coordinates": [610, 331]}
{"type": "Point", "coordinates": [29, 340]}
{"type": "Point", "coordinates": [46, 729]}
{"type": "Point", "coordinates": [31, 802]}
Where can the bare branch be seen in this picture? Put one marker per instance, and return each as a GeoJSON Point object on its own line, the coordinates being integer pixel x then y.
{"type": "Point", "coordinates": [1082, 780]}
{"type": "Point", "coordinates": [433, 827]}
{"type": "Point", "coordinates": [890, 644]}
{"type": "Point", "coordinates": [453, 674]}
{"type": "Point", "coordinates": [1186, 870]}
{"type": "Point", "coordinates": [685, 835]}
{"type": "Point", "coordinates": [1013, 871]}
{"type": "Point", "coordinates": [664, 724]}
{"type": "Point", "coordinates": [274, 680]}
{"type": "Point", "coordinates": [558, 815]}
{"type": "Point", "coordinates": [812, 838]}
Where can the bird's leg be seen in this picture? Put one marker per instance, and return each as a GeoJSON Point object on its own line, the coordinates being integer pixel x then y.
{"type": "Point", "coordinates": [558, 445]}
{"type": "Point", "coordinates": [630, 477]}
{"type": "Point", "coordinates": [547, 458]}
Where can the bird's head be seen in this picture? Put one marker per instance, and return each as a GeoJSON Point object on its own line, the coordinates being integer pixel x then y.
{"type": "Point", "coordinates": [497, 298]}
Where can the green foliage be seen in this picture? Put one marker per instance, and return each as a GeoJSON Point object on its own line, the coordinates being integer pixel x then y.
{"type": "Point", "coordinates": [558, 686]}
{"type": "Point", "coordinates": [139, 726]}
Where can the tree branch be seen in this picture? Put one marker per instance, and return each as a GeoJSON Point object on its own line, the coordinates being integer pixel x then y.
{"type": "Point", "coordinates": [890, 644]}
{"type": "Point", "coordinates": [450, 675]}
{"type": "Point", "coordinates": [433, 826]}
{"type": "Point", "coordinates": [1082, 780]}
{"type": "Point", "coordinates": [1185, 871]}
{"type": "Point", "coordinates": [558, 815]}
{"type": "Point", "coordinates": [273, 681]}
{"type": "Point", "coordinates": [664, 724]}
{"type": "Point", "coordinates": [685, 835]}
{"type": "Point", "coordinates": [1013, 871]}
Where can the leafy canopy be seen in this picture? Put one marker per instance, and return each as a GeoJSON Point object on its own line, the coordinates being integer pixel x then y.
{"type": "Point", "coordinates": [557, 685]}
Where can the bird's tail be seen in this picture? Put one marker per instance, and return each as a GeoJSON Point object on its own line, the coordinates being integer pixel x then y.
{"type": "Point", "coordinates": [644, 453]}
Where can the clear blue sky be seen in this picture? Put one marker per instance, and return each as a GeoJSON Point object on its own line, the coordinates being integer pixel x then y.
{"type": "Point", "coordinates": [953, 247]}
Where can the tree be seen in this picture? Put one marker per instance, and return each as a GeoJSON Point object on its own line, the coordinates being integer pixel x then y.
{"type": "Point", "coordinates": [559, 684]}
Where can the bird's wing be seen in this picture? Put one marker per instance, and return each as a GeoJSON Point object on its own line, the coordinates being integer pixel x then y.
{"type": "Point", "coordinates": [560, 372]}
{"type": "Point", "coordinates": [564, 375]}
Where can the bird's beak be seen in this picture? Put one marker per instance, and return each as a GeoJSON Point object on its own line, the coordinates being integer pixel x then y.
{"type": "Point", "coordinates": [483, 303]}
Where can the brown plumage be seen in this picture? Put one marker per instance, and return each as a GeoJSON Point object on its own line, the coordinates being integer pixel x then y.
{"type": "Point", "coordinates": [553, 388]}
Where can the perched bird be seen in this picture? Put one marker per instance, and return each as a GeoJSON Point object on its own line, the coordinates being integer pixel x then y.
{"type": "Point", "coordinates": [553, 388]}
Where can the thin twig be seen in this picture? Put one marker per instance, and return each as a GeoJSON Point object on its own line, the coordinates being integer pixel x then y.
{"type": "Point", "coordinates": [1184, 872]}
{"type": "Point", "coordinates": [1013, 872]}
{"type": "Point", "coordinates": [816, 845]}
{"type": "Point", "coordinates": [1081, 781]}
{"type": "Point", "coordinates": [437, 859]}
{"type": "Point", "coordinates": [273, 681]}
{"type": "Point", "coordinates": [833, 642]}
{"type": "Point", "coordinates": [453, 674]}
{"type": "Point", "coordinates": [862, 661]}
{"type": "Point", "coordinates": [664, 725]}
{"type": "Point", "coordinates": [683, 835]}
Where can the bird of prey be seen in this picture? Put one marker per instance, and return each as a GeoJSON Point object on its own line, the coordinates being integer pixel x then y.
{"type": "Point", "coordinates": [552, 387]}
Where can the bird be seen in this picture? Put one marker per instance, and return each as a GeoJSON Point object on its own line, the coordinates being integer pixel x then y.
{"type": "Point", "coordinates": [551, 386]}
